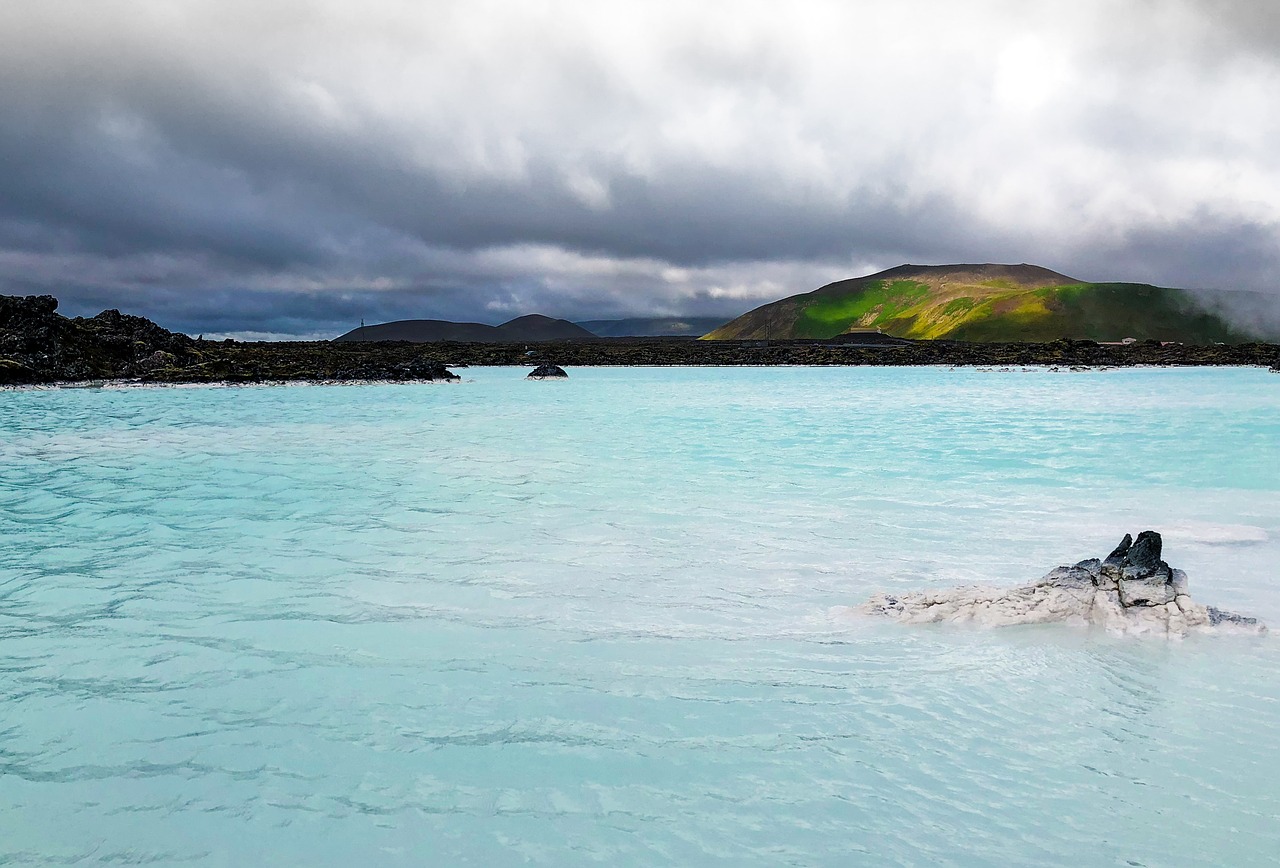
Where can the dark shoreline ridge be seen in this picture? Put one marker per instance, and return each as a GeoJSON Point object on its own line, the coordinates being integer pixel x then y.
{"type": "Point", "coordinates": [38, 345]}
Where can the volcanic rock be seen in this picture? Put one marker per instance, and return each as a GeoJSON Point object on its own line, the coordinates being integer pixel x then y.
{"type": "Point", "coordinates": [426, 369]}
{"type": "Point", "coordinates": [157, 360]}
{"type": "Point", "coordinates": [39, 345]}
{"type": "Point", "coordinates": [14, 373]}
{"type": "Point", "coordinates": [1131, 592]}
{"type": "Point", "coordinates": [546, 372]}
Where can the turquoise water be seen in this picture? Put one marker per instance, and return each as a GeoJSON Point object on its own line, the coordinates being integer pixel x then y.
{"type": "Point", "coordinates": [602, 621]}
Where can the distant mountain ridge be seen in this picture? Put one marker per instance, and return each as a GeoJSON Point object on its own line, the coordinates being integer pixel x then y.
{"type": "Point", "coordinates": [643, 327]}
{"type": "Point", "coordinates": [532, 327]}
{"type": "Point", "coordinates": [987, 303]}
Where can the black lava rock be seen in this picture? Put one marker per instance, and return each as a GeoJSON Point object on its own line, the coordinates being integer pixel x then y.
{"type": "Point", "coordinates": [18, 311]}
{"type": "Point", "coordinates": [39, 345]}
{"type": "Point", "coordinates": [546, 372]}
{"type": "Point", "coordinates": [1117, 556]}
{"type": "Point", "coordinates": [1136, 572]}
{"type": "Point", "coordinates": [15, 373]}
{"type": "Point", "coordinates": [1218, 616]}
{"type": "Point", "coordinates": [426, 369]}
{"type": "Point", "coordinates": [1144, 554]}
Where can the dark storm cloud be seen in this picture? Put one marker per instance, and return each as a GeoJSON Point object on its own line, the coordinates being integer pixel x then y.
{"type": "Point", "coordinates": [1201, 249]}
{"type": "Point", "coordinates": [1240, 24]}
{"type": "Point", "coordinates": [302, 315]}
{"type": "Point", "coordinates": [245, 189]}
{"type": "Point", "coordinates": [292, 167]}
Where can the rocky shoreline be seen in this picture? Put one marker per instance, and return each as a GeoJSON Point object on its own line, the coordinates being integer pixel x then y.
{"type": "Point", "coordinates": [40, 346]}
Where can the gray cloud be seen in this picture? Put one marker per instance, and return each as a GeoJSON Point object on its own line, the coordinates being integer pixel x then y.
{"type": "Point", "coordinates": [289, 167]}
{"type": "Point", "coordinates": [1237, 25]}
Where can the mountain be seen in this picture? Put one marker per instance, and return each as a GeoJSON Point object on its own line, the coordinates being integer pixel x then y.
{"type": "Point", "coordinates": [422, 331]}
{"type": "Point", "coordinates": [650, 327]}
{"type": "Point", "coordinates": [533, 327]}
{"type": "Point", "coordinates": [536, 327]}
{"type": "Point", "coordinates": [985, 303]}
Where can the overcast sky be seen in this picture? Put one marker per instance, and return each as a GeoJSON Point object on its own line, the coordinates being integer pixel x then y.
{"type": "Point", "coordinates": [288, 167]}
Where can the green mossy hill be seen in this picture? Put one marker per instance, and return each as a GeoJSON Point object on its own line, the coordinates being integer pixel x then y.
{"type": "Point", "coordinates": [989, 303]}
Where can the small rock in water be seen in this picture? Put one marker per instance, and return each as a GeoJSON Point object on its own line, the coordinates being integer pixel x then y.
{"type": "Point", "coordinates": [1132, 591]}
{"type": "Point", "coordinates": [546, 372]}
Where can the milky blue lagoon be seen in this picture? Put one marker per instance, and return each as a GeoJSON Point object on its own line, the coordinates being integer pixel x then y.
{"type": "Point", "coordinates": [601, 621]}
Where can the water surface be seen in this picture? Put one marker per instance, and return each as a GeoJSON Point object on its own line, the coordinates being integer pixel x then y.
{"type": "Point", "coordinates": [601, 621]}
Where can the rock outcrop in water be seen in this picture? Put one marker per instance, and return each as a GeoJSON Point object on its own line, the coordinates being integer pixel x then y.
{"type": "Point", "coordinates": [547, 372]}
{"type": "Point", "coordinates": [1131, 591]}
{"type": "Point", "coordinates": [426, 369]}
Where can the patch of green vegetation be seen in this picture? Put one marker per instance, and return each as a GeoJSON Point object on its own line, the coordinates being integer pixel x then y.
{"type": "Point", "coordinates": [997, 310]}
{"type": "Point", "coordinates": [1029, 310]}
{"type": "Point", "coordinates": [1118, 310]}
{"type": "Point", "coordinates": [1101, 312]}
{"type": "Point", "coordinates": [871, 304]}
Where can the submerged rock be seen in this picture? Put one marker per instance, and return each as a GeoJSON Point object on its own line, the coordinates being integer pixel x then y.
{"type": "Point", "coordinates": [1131, 591]}
{"type": "Point", "coordinates": [546, 372]}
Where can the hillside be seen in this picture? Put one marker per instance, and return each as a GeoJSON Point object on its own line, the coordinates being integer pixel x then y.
{"type": "Point", "coordinates": [984, 303]}
{"type": "Point", "coordinates": [644, 327]}
{"type": "Point", "coordinates": [533, 327]}
{"type": "Point", "coordinates": [536, 327]}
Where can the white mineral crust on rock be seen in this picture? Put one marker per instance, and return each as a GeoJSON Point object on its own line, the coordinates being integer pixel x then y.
{"type": "Point", "coordinates": [1131, 592]}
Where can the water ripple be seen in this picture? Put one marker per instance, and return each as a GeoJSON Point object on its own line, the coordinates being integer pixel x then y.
{"type": "Point", "coordinates": [497, 624]}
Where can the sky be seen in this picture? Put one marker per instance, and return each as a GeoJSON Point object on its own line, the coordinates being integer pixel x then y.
{"type": "Point", "coordinates": [290, 168]}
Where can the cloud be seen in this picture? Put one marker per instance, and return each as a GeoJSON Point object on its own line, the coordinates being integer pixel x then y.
{"type": "Point", "coordinates": [491, 285]}
{"type": "Point", "coordinates": [298, 161]}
